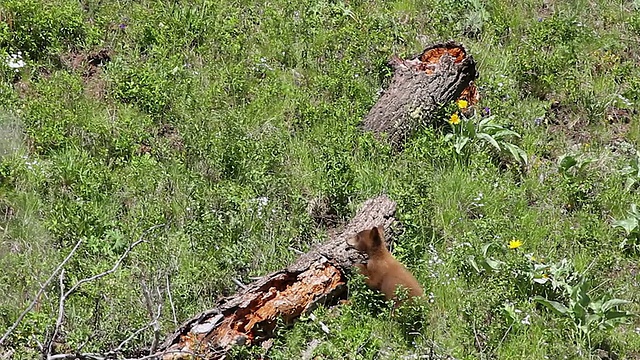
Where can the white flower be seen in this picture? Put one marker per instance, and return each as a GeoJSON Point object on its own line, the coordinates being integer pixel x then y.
{"type": "Point", "coordinates": [526, 320]}
{"type": "Point", "coordinates": [14, 61]}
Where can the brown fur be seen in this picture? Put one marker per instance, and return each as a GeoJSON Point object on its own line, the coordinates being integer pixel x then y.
{"type": "Point", "coordinates": [383, 272]}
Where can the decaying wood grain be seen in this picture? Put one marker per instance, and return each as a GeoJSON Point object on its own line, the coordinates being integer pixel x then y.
{"type": "Point", "coordinates": [249, 317]}
{"type": "Point", "coordinates": [418, 89]}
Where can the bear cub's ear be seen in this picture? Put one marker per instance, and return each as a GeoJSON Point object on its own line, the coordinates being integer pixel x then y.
{"type": "Point", "coordinates": [377, 235]}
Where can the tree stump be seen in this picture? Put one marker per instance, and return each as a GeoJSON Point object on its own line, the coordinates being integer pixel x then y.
{"type": "Point", "coordinates": [418, 89]}
{"type": "Point", "coordinates": [248, 318]}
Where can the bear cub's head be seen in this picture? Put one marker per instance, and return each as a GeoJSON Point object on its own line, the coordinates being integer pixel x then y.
{"type": "Point", "coordinates": [368, 240]}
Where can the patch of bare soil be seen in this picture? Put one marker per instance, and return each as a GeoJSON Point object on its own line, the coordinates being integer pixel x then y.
{"type": "Point", "coordinates": [562, 120]}
{"type": "Point", "coordinates": [171, 134]}
{"type": "Point", "coordinates": [164, 134]}
{"type": "Point", "coordinates": [91, 64]}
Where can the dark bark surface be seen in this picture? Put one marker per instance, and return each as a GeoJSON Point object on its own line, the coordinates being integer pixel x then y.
{"type": "Point", "coordinates": [317, 277]}
{"type": "Point", "coordinates": [418, 89]}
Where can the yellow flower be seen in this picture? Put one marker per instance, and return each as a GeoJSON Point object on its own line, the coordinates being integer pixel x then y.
{"type": "Point", "coordinates": [514, 244]}
{"type": "Point", "coordinates": [455, 119]}
{"type": "Point", "coordinates": [462, 104]}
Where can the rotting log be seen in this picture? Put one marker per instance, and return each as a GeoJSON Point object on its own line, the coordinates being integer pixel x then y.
{"type": "Point", "coordinates": [248, 318]}
{"type": "Point", "coordinates": [419, 88]}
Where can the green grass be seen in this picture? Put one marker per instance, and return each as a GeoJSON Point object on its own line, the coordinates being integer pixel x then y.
{"type": "Point", "coordinates": [236, 124]}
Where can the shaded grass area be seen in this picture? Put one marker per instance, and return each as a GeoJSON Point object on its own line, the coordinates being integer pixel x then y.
{"type": "Point", "coordinates": [236, 125]}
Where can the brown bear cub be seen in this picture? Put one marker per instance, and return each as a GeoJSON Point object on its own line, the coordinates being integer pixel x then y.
{"type": "Point", "coordinates": [383, 272]}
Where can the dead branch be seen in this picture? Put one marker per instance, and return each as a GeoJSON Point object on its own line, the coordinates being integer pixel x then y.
{"type": "Point", "coordinates": [117, 264]}
{"type": "Point", "coordinates": [65, 295]}
{"type": "Point", "coordinates": [37, 297]}
{"type": "Point", "coordinates": [53, 337]}
{"type": "Point", "coordinates": [173, 308]}
{"type": "Point", "coordinates": [154, 317]}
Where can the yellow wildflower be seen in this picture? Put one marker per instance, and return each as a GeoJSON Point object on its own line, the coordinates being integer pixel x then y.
{"type": "Point", "coordinates": [462, 104]}
{"type": "Point", "coordinates": [455, 119]}
{"type": "Point", "coordinates": [514, 244]}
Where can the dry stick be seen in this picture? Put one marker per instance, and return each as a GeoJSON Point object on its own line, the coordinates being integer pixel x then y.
{"type": "Point", "coordinates": [63, 297]}
{"type": "Point", "coordinates": [239, 283]}
{"type": "Point", "coordinates": [35, 300]}
{"type": "Point", "coordinates": [154, 317]}
{"type": "Point", "coordinates": [116, 265]}
{"type": "Point", "coordinates": [123, 343]}
{"type": "Point", "coordinates": [102, 356]}
{"type": "Point", "coordinates": [167, 352]}
{"type": "Point", "coordinates": [173, 308]}
{"type": "Point", "coordinates": [93, 356]}
{"type": "Point", "coordinates": [60, 315]}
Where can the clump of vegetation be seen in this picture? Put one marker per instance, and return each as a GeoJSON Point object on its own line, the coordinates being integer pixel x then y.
{"type": "Point", "coordinates": [238, 130]}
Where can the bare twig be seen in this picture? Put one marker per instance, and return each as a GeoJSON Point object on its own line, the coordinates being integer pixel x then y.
{"type": "Point", "coordinates": [83, 356]}
{"type": "Point", "coordinates": [117, 264]}
{"type": "Point", "coordinates": [239, 283]}
{"type": "Point", "coordinates": [295, 250]}
{"type": "Point", "coordinates": [173, 308]}
{"type": "Point", "coordinates": [60, 315]}
{"type": "Point", "coordinates": [153, 316]}
{"type": "Point", "coordinates": [125, 341]}
{"type": "Point", "coordinates": [167, 352]}
{"type": "Point", "coordinates": [64, 295]}
{"type": "Point", "coordinates": [156, 330]}
{"type": "Point", "coordinates": [37, 297]}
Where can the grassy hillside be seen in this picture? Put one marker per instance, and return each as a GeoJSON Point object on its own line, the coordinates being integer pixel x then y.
{"type": "Point", "coordinates": [235, 124]}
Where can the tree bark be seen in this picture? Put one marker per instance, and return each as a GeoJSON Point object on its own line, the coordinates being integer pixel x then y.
{"type": "Point", "coordinates": [418, 89]}
{"type": "Point", "coordinates": [249, 317]}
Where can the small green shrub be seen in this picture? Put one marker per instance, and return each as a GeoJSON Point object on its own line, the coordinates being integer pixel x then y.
{"type": "Point", "coordinates": [43, 30]}
{"type": "Point", "coordinates": [477, 131]}
{"type": "Point", "coordinates": [586, 313]}
{"type": "Point", "coordinates": [631, 228]}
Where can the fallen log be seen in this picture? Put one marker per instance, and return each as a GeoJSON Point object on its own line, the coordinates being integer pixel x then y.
{"type": "Point", "coordinates": [248, 318]}
{"type": "Point", "coordinates": [419, 88]}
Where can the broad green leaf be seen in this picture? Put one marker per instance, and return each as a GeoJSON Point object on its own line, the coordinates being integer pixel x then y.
{"type": "Point", "coordinates": [629, 183]}
{"type": "Point", "coordinates": [567, 162]}
{"type": "Point", "coordinates": [485, 248]}
{"type": "Point", "coordinates": [472, 261]}
{"type": "Point", "coordinates": [613, 303]}
{"type": "Point", "coordinates": [556, 307]}
{"type": "Point", "coordinates": [486, 120]}
{"type": "Point", "coordinates": [516, 152]}
{"type": "Point", "coordinates": [489, 139]}
{"type": "Point", "coordinates": [494, 264]}
{"type": "Point", "coordinates": [541, 280]}
{"type": "Point", "coordinates": [579, 311]}
{"type": "Point", "coordinates": [618, 315]}
{"type": "Point", "coordinates": [504, 133]}
{"type": "Point", "coordinates": [628, 224]}
{"type": "Point", "coordinates": [592, 318]}
{"type": "Point", "coordinates": [460, 143]}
